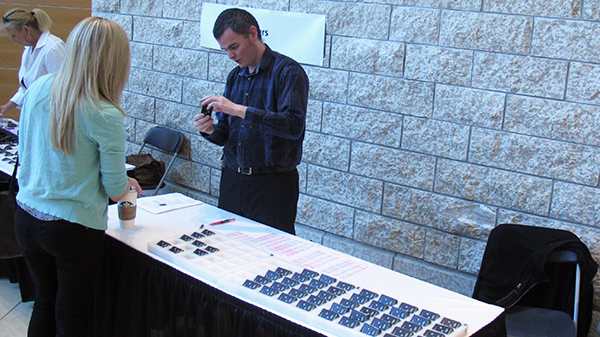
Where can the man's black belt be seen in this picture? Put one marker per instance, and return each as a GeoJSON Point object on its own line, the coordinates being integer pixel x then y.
{"type": "Point", "coordinates": [261, 170]}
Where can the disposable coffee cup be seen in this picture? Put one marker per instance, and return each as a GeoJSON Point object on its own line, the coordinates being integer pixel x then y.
{"type": "Point", "coordinates": [127, 209]}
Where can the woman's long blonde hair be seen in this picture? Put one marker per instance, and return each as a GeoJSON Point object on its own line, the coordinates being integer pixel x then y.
{"type": "Point", "coordinates": [95, 69]}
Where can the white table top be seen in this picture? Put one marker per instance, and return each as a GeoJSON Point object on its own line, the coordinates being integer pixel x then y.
{"type": "Point", "coordinates": [150, 228]}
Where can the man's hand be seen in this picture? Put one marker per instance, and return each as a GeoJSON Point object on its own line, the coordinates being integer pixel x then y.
{"type": "Point", "coordinates": [203, 123]}
{"type": "Point", "coordinates": [220, 103]}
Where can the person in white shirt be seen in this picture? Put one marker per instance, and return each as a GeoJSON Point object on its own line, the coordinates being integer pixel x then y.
{"type": "Point", "coordinates": [43, 53]}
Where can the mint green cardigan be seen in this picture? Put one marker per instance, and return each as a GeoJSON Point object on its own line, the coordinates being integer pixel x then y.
{"type": "Point", "coordinates": [75, 188]}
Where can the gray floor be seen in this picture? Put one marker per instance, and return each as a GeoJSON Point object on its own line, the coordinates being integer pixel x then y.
{"type": "Point", "coordinates": [14, 314]}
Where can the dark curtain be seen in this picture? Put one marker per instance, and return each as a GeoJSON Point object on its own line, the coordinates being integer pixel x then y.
{"type": "Point", "coordinates": [16, 271]}
{"type": "Point", "coordinates": [12, 263]}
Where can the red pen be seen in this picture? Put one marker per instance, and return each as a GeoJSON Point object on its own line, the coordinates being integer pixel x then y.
{"type": "Point", "coordinates": [221, 222]}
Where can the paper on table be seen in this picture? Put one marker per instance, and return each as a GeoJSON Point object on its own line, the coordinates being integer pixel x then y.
{"type": "Point", "coordinates": [305, 253]}
{"type": "Point", "coordinates": [166, 202]}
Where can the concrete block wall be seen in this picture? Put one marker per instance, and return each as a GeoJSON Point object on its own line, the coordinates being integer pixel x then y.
{"type": "Point", "coordinates": [430, 122]}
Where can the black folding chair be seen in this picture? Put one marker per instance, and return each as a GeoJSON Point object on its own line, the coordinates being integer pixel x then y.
{"type": "Point", "coordinates": [166, 140]}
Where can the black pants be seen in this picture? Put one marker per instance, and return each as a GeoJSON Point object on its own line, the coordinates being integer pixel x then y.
{"type": "Point", "coordinates": [64, 259]}
{"type": "Point", "coordinates": [271, 199]}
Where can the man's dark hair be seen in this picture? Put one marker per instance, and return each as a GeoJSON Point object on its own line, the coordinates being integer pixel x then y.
{"type": "Point", "coordinates": [238, 20]}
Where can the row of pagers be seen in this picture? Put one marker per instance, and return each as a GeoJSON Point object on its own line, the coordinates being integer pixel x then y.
{"type": "Point", "coordinates": [340, 303]}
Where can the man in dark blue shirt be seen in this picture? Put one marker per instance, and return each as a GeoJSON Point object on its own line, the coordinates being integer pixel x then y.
{"type": "Point", "coordinates": [260, 124]}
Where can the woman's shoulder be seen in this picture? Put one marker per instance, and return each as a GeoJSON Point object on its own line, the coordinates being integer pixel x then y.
{"type": "Point", "coordinates": [54, 38]}
{"type": "Point", "coordinates": [105, 112]}
{"type": "Point", "coordinates": [53, 41]}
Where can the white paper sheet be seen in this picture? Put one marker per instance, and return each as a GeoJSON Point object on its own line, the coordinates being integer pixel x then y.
{"type": "Point", "coordinates": [166, 202]}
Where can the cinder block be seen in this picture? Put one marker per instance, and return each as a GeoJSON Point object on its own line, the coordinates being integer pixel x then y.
{"type": "Point", "coordinates": [325, 215]}
{"type": "Point", "coordinates": [446, 278]}
{"type": "Point", "coordinates": [183, 62]}
{"type": "Point", "coordinates": [430, 136]}
{"type": "Point", "coordinates": [368, 253]}
{"type": "Point", "coordinates": [138, 106]}
{"type": "Point", "coordinates": [494, 187]}
{"type": "Point", "coordinates": [155, 30]}
{"type": "Point", "coordinates": [486, 32]}
{"type": "Point", "coordinates": [590, 235]}
{"type": "Point", "coordinates": [325, 150]}
{"type": "Point", "coordinates": [355, 19]}
{"type": "Point", "coordinates": [583, 85]}
{"type": "Point", "coordinates": [152, 83]}
{"type": "Point", "coordinates": [145, 7]}
{"type": "Point", "coordinates": [531, 76]}
{"type": "Point", "coordinates": [314, 115]}
{"type": "Point", "coordinates": [438, 64]}
{"type": "Point", "coordinates": [570, 122]}
{"type": "Point", "coordinates": [370, 56]}
{"type": "Point", "coordinates": [470, 255]}
{"type": "Point", "coordinates": [141, 55]}
{"type": "Point", "coordinates": [545, 8]}
{"type": "Point", "coordinates": [345, 188]}
{"type": "Point", "coordinates": [591, 10]}
{"type": "Point", "coordinates": [576, 203]}
{"type": "Point", "coordinates": [469, 106]}
{"type": "Point", "coordinates": [309, 233]}
{"type": "Point", "coordinates": [415, 25]}
{"type": "Point", "coordinates": [446, 213]}
{"type": "Point", "coordinates": [362, 124]}
{"type": "Point", "coordinates": [537, 156]}
{"type": "Point", "coordinates": [390, 234]}
{"type": "Point", "coordinates": [392, 165]}
{"type": "Point", "coordinates": [566, 39]}
{"type": "Point", "coordinates": [327, 84]}
{"type": "Point", "coordinates": [176, 115]}
{"type": "Point", "coordinates": [391, 94]}
{"type": "Point", "coordinates": [205, 152]}
{"type": "Point", "coordinates": [219, 66]}
{"type": "Point", "coordinates": [441, 248]}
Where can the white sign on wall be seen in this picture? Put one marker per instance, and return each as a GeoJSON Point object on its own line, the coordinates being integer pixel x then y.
{"type": "Point", "coordinates": [297, 35]}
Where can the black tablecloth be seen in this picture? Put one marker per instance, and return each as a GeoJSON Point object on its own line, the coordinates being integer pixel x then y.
{"type": "Point", "coordinates": [16, 271]}
{"type": "Point", "coordinates": [139, 296]}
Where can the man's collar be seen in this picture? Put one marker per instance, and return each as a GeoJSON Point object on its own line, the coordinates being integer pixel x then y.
{"type": "Point", "coordinates": [265, 61]}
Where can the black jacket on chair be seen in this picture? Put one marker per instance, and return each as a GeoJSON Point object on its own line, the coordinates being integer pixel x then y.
{"type": "Point", "coordinates": [515, 261]}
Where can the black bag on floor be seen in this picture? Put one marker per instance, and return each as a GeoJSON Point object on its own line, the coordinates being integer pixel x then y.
{"type": "Point", "coordinates": [148, 171]}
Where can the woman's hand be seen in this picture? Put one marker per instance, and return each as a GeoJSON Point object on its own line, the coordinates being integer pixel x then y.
{"type": "Point", "coordinates": [130, 182]}
{"type": "Point", "coordinates": [7, 107]}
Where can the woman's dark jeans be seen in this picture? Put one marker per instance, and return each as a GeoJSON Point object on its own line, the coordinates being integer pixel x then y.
{"type": "Point", "coordinates": [64, 259]}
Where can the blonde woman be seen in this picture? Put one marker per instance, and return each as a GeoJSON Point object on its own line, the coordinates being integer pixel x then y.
{"type": "Point", "coordinates": [71, 148]}
{"type": "Point", "coordinates": [43, 53]}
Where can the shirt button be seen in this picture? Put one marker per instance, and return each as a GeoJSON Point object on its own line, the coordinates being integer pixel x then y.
{"type": "Point", "coordinates": [246, 94]}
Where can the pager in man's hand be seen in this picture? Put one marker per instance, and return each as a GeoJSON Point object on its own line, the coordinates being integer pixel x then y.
{"type": "Point", "coordinates": [206, 111]}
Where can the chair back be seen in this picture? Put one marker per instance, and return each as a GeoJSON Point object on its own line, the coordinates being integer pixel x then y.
{"type": "Point", "coordinates": [167, 140]}
{"type": "Point", "coordinates": [164, 139]}
{"type": "Point", "coordinates": [538, 267]}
